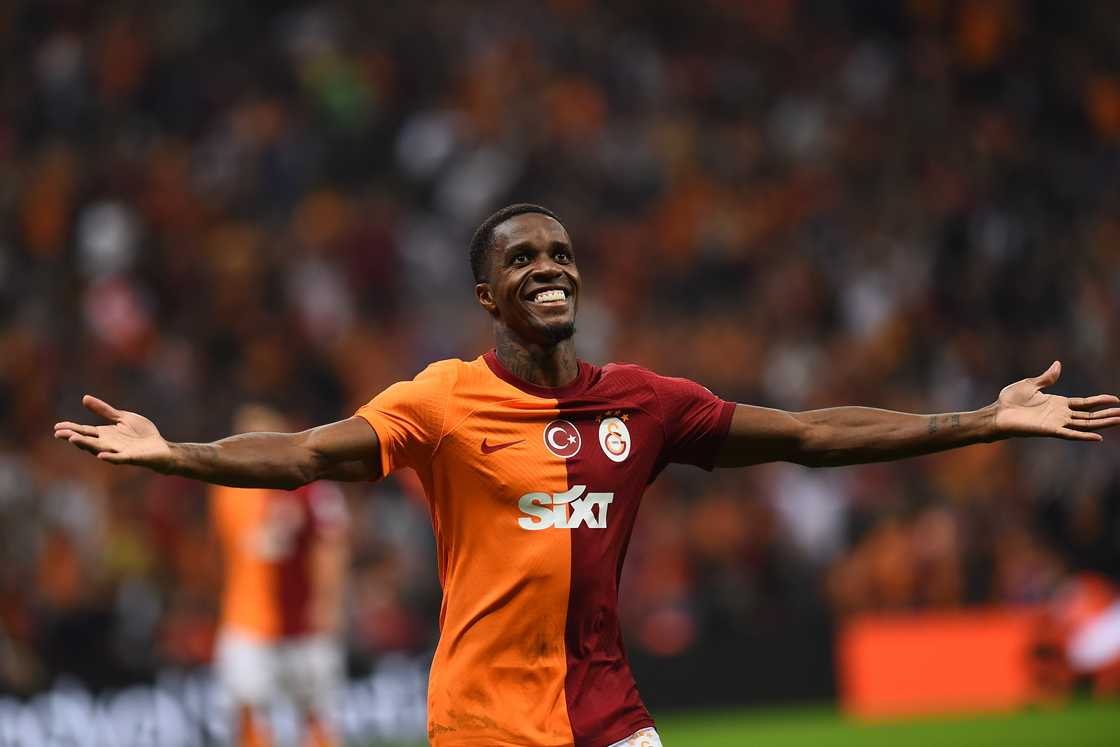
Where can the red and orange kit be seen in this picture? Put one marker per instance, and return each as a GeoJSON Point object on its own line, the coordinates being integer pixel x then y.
{"type": "Point", "coordinates": [533, 494]}
{"type": "Point", "coordinates": [267, 538]}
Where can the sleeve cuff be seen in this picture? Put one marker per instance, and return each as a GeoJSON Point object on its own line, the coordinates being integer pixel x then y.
{"type": "Point", "coordinates": [382, 445]}
{"type": "Point", "coordinates": [723, 426]}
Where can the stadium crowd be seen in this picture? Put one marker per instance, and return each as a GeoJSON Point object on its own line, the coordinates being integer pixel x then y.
{"type": "Point", "coordinates": [795, 203]}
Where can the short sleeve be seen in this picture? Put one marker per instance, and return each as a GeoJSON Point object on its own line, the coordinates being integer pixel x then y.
{"type": "Point", "coordinates": [408, 417]}
{"type": "Point", "coordinates": [695, 420]}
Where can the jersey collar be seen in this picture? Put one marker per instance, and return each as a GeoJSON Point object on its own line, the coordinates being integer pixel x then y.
{"type": "Point", "coordinates": [578, 385]}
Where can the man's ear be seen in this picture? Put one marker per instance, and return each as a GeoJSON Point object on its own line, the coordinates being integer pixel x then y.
{"type": "Point", "coordinates": [486, 298]}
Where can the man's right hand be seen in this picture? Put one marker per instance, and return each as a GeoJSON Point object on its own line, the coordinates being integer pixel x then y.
{"type": "Point", "coordinates": [129, 439]}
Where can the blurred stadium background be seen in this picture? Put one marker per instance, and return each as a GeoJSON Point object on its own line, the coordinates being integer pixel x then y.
{"type": "Point", "coordinates": [798, 203]}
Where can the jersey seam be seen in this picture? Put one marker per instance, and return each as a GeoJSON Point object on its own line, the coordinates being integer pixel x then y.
{"type": "Point", "coordinates": [463, 419]}
{"type": "Point", "coordinates": [446, 408]}
{"type": "Point", "coordinates": [660, 407]}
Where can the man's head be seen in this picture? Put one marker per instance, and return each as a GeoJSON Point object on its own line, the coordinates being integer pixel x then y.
{"type": "Point", "coordinates": [525, 273]}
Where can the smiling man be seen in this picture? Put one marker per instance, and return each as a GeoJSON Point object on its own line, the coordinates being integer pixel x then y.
{"type": "Point", "coordinates": [534, 464]}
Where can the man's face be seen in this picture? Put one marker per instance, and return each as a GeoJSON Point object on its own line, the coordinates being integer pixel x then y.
{"type": "Point", "coordinates": [534, 284]}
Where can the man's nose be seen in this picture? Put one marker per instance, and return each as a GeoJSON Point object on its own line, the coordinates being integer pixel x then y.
{"type": "Point", "coordinates": [546, 267]}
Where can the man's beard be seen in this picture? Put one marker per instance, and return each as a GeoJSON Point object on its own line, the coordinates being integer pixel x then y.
{"type": "Point", "coordinates": [559, 332]}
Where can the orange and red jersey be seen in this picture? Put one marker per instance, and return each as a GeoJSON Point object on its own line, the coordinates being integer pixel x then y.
{"type": "Point", "coordinates": [533, 494]}
{"type": "Point", "coordinates": [267, 538]}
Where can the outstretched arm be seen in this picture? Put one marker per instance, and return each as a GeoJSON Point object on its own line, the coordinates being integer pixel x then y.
{"type": "Point", "coordinates": [856, 435]}
{"type": "Point", "coordinates": [345, 450]}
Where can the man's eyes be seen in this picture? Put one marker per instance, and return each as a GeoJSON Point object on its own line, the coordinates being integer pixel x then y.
{"type": "Point", "coordinates": [563, 257]}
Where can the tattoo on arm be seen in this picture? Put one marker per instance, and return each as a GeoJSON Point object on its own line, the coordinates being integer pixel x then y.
{"type": "Point", "coordinates": [952, 421]}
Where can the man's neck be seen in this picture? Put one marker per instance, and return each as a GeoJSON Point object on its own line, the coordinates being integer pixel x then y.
{"type": "Point", "coordinates": [542, 365]}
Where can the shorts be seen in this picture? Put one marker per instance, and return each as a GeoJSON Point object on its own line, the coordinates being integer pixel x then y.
{"type": "Point", "coordinates": [307, 670]}
{"type": "Point", "coordinates": [646, 737]}
{"type": "Point", "coordinates": [1097, 644]}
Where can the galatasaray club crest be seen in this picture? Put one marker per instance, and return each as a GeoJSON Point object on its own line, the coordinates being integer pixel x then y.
{"type": "Point", "coordinates": [614, 436]}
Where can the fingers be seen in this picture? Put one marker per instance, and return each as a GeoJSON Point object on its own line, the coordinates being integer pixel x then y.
{"type": "Point", "coordinates": [1074, 435]}
{"type": "Point", "coordinates": [1049, 376]}
{"type": "Point", "coordinates": [85, 438]}
{"type": "Point", "coordinates": [1094, 425]}
{"type": "Point", "coordinates": [71, 428]}
{"type": "Point", "coordinates": [1111, 412]}
{"type": "Point", "coordinates": [102, 408]}
{"type": "Point", "coordinates": [1085, 403]}
{"type": "Point", "coordinates": [92, 444]}
{"type": "Point", "coordinates": [1094, 420]}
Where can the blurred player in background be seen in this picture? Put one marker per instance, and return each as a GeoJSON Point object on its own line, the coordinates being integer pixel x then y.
{"type": "Point", "coordinates": [1078, 638]}
{"type": "Point", "coordinates": [285, 559]}
{"type": "Point", "coordinates": [534, 464]}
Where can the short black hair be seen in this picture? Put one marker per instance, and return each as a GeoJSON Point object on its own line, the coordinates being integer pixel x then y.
{"type": "Point", "coordinates": [483, 240]}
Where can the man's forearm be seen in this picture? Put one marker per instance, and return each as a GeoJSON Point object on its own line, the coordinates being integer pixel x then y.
{"type": "Point", "coordinates": [857, 435]}
{"type": "Point", "coordinates": [249, 460]}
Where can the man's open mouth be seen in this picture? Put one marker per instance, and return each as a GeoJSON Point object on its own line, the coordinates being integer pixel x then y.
{"type": "Point", "coordinates": [550, 297]}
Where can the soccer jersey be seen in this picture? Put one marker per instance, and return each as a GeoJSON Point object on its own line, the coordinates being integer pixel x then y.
{"type": "Point", "coordinates": [266, 538]}
{"type": "Point", "coordinates": [533, 494]}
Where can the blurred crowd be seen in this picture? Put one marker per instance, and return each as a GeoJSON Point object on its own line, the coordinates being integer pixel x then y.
{"type": "Point", "coordinates": [797, 203]}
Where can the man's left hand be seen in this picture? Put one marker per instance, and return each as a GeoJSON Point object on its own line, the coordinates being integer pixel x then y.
{"type": "Point", "coordinates": [1023, 409]}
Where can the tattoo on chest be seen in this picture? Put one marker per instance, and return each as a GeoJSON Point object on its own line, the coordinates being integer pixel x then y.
{"type": "Point", "coordinates": [517, 360]}
{"type": "Point", "coordinates": [522, 363]}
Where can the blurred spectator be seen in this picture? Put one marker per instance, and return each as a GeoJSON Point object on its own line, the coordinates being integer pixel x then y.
{"type": "Point", "coordinates": [285, 559]}
{"type": "Point", "coordinates": [798, 204]}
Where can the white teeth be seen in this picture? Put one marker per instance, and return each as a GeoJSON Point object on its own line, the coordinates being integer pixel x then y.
{"type": "Point", "coordinates": [549, 295]}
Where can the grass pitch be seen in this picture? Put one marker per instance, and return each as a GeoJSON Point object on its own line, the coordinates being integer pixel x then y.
{"type": "Point", "coordinates": [1076, 725]}
{"type": "Point", "coordinates": [1081, 724]}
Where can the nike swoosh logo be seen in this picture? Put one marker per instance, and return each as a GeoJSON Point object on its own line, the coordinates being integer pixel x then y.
{"type": "Point", "coordinates": [487, 449]}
